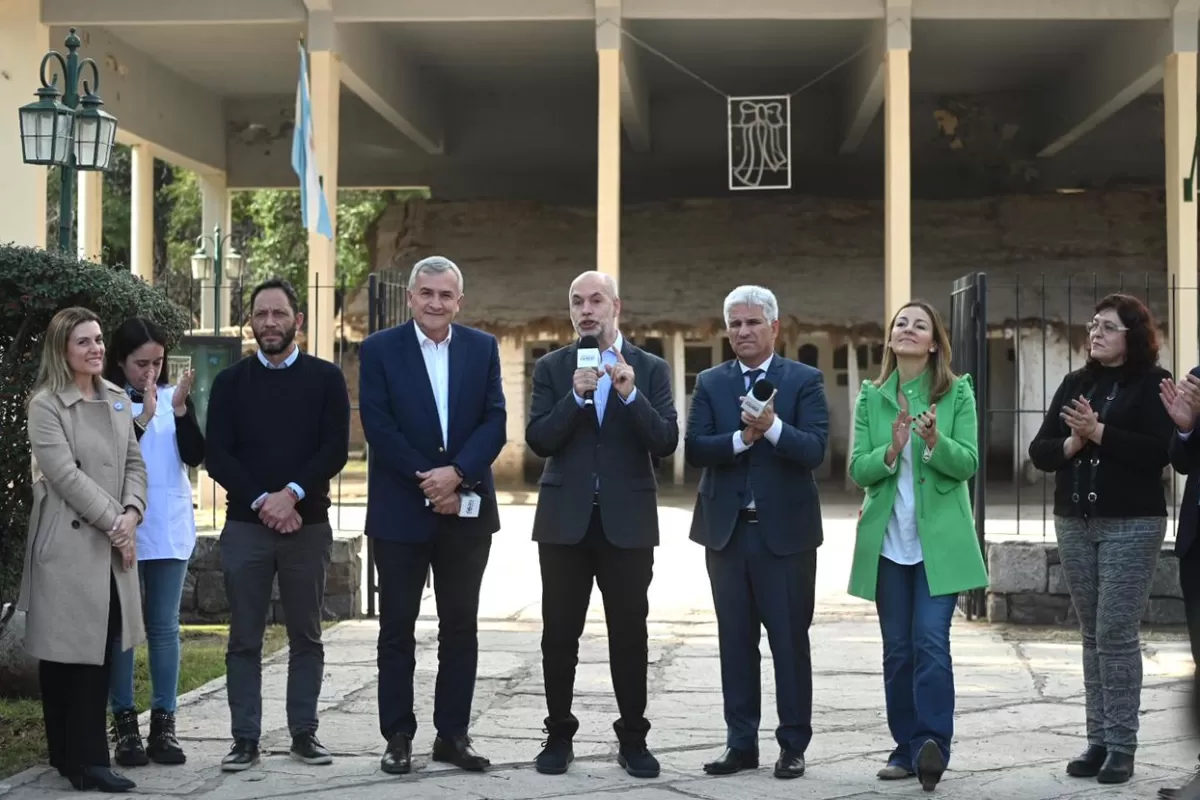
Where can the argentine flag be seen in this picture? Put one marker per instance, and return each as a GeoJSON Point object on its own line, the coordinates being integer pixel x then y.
{"type": "Point", "coordinates": [304, 161]}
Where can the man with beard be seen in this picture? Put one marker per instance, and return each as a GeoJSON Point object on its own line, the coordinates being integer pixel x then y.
{"type": "Point", "coordinates": [278, 431]}
{"type": "Point", "coordinates": [600, 430]}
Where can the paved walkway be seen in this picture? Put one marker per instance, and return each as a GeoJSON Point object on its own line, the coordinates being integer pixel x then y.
{"type": "Point", "coordinates": [1020, 706]}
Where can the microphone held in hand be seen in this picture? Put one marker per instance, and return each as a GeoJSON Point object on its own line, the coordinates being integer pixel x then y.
{"type": "Point", "coordinates": [760, 394]}
{"type": "Point", "coordinates": [587, 356]}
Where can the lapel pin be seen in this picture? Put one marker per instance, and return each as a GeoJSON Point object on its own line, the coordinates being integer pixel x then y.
{"type": "Point", "coordinates": [118, 405]}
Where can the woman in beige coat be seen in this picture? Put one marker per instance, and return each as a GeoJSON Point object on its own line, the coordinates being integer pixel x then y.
{"type": "Point", "coordinates": [80, 584]}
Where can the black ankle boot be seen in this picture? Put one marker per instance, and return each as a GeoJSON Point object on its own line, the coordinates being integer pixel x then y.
{"type": "Point", "coordinates": [1087, 764]}
{"type": "Point", "coordinates": [162, 746]}
{"type": "Point", "coordinates": [128, 750]}
{"type": "Point", "coordinates": [100, 779]}
{"type": "Point", "coordinates": [1118, 768]}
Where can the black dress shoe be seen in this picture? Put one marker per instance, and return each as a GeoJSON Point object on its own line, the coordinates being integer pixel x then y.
{"type": "Point", "coordinates": [1117, 768]}
{"type": "Point", "coordinates": [1087, 764]}
{"type": "Point", "coordinates": [243, 755]}
{"type": "Point", "coordinates": [557, 753]}
{"type": "Point", "coordinates": [731, 761]}
{"type": "Point", "coordinates": [397, 759]}
{"type": "Point", "coordinates": [458, 751]}
{"type": "Point", "coordinates": [930, 765]}
{"type": "Point", "coordinates": [637, 760]}
{"type": "Point", "coordinates": [100, 779]}
{"type": "Point", "coordinates": [789, 765]}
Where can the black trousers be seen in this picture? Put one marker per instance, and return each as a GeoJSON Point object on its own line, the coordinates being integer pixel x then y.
{"type": "Point", "coordinates": [623, 575]}
{"type": "Point", "coordinates": [1189, 582]}
{"type": "Point", "coordinates": [75, 703]}
{"type": "Point", "coordinates": [458, 561]}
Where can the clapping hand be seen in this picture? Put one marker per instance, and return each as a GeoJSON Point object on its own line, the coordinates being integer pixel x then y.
{"type": "Point", "coordinates": [1182, 401]}
{"type": "Point", "coordinates": [1080, 418]}
{"type": "Point", "coordinates": [926, 427]}
{"type": "Point", "coordinates": [182, 390]}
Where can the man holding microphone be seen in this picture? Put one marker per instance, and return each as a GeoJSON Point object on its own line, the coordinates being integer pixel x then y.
{"type": "Point", "coordinates": [601, 415]}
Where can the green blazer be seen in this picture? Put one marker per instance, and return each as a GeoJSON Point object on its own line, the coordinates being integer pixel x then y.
{"type": "Point", "coordinates": [945, 522]}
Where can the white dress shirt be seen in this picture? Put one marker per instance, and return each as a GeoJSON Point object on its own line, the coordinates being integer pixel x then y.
{"type": "Point", "coordinates": [772, 433]}
{"type": "Point", "coordinates": [437, 365]}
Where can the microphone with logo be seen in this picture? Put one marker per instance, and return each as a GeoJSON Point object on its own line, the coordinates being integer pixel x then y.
{"type": "Point", "coordinates": [587, 356]}
{"type": "Point", "coordinates": [761, 393]}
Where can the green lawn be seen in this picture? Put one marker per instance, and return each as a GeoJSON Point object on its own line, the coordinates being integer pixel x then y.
{"type": "Point", "coordinates": [22, 742]}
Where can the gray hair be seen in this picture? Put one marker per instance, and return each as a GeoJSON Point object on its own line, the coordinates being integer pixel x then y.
{"type": "Point", "coordinates": [755, 297]}
{"type": "Point", "coordinates": [434, 265]}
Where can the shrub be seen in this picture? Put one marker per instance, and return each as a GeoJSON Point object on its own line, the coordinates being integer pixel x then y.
{"type": "Point", "coordinates": [34, 285]}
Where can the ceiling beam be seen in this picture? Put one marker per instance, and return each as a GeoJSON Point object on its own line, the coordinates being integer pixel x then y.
{"type": "Point", "coordinates": [375, 70]}
{"type": "Point", "coordinates": [866, 89]}
{"type": "Point", "coordinates": [153, 104]}
{"type": "Point", "coordinates": [1043, 9]}
{"type": "Point", "coordinates": [635, 96]}
{"type": "Point", "coordinates": [90, 13]}
{"type": "Point", "coordinates": [1125, 66]}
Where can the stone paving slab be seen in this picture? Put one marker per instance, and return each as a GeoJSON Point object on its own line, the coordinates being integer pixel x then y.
{"type": "Point", "coordinates": [1019, 707]}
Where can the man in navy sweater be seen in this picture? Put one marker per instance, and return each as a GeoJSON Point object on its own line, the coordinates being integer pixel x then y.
{"type": "Point", "coordinates": [278, 432]}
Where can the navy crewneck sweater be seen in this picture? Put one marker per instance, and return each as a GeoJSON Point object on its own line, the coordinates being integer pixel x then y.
{"type": "Point", "coordinates": [270, 427]}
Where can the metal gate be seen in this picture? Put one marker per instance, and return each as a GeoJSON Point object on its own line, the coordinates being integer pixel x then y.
{"type": "Point", "coordinates": [968, 345]}
{"type": "Point", "coordinates": [387, 298]}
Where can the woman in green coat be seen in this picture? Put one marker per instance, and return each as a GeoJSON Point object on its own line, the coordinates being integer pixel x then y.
{"type": "Point", "coordinates": [916, 549]}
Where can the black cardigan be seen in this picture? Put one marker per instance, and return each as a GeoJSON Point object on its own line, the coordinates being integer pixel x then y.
{"type": "Point", "coordinates": [1122, 476]}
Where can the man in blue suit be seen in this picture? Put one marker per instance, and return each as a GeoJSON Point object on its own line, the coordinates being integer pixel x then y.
{"type": "Point", "coordinates": [759, 517]}
{"type": "Point", "coordinates": [433, 413]}
{"type": "Point", "coordinates": [1182, 401]}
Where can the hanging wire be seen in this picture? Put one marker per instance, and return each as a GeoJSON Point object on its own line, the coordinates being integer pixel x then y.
{"type": "Point", "coordinates": [646, 45]}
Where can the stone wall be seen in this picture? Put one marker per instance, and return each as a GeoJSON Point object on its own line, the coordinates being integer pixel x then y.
{"type": "Point", "coordinates": [204, 599]}
{"type": "Point", "coordinates": [1027, 587]}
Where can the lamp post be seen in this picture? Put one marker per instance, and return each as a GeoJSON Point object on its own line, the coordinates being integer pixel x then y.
{"type": "Point", "coordinates": [205, 266]}
{"type": "Point", "coordinates": [74, 134]}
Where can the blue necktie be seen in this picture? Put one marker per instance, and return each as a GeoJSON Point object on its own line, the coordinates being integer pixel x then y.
{"type": "Point", "coordinates": [752, 377]}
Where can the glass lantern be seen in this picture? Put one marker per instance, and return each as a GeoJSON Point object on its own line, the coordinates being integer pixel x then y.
{"type": "Point", "coordinates": [47, 129]}
{"type": "Point", "coordinates": [95, 134]}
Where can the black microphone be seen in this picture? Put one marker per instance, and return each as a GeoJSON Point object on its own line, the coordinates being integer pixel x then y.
{"type": "Point", "coordinates": [587, 356]}
{"type": "Point", "coordinates": [760, 394]}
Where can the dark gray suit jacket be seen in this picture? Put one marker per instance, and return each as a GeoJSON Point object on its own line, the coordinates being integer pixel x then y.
{"type": "Point", "coordinates": [621, 452]}
{"type": "Point", "coordinates": [785, 491]}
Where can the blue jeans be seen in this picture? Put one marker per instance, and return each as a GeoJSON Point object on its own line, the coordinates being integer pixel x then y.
{"type": "Point", "coordinates": [918, 678]}
{"type": "Point", "coordinates": [162, 585]}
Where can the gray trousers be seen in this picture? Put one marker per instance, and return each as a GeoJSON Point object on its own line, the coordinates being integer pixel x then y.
{"type": "Point", "coordinates": [251, 556]}
{"type": "Point", "coordinates": [1109, 565]}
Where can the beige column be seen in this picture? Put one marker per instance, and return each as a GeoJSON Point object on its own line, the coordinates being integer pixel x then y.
{"type": "Point", "coordinates": [141, 213]}
{"type": "Point", "coordinates": [324, 82]}
{"type": "Point", "coordinates": [679, 390]}
{"type": "Point", "coordinates": [1179, 95]}
{"type": "Point", "coordinates": [89, 220]}
{"type": "Point", "coordinates": [897, 275]}
{"type": "Point", "coordinates": [215, 209]}
{"type": "Point", "coordinates": [608, 153]}
{"type": "Point", "coordinates": [23, 42]}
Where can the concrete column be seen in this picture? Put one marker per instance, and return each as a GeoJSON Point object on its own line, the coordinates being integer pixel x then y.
{"type": "Point", "coordinates": [679, 390]}
{"type": "Point", "coordinates": [141, 214]}
{"type": "Point", "coordinates": [1179, 95]}
{"type": "Point", "coordinates": [23, 42]}
{"type": "Point", "coordinates": [90, 217]}
{"type": "Point", "coordinates": [324, 82]}
{"type": "Point", "coordinates": [215, 209]}
{"type": "Point", "coordinates": [608, 153]}
{"type": "Point", "coordinates": [897, 275]}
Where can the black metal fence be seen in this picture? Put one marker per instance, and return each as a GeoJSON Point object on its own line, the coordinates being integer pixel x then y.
{"type": "Point", "coordinates": [1018, 336]}
{"type": "Point", "coordinates": [387, 300]}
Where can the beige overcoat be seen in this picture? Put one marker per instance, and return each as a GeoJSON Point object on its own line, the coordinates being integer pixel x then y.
{"type": "Point", "coordinates": [87, 467]}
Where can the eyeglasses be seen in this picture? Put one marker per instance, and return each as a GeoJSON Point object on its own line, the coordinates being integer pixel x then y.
{"type": "Point", "coordinates": [1106, 326]}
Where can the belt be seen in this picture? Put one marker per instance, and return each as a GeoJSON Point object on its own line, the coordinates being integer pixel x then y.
{"type": "Point", "coordinates": [748, 514]}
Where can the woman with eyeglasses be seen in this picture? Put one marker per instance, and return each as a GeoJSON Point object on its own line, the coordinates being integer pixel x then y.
{"type": "Point", "coordinates": [1106, 438]}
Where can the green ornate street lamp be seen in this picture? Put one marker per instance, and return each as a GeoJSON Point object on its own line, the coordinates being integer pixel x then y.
{"type": "Point", "coordinates": [74, 134]}
{"type": "Point", "coordinates": [205, 266]}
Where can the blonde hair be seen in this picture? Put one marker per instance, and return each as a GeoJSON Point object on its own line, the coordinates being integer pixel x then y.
{"type": "Point", "coordinates": [54, 373]}
{"type": "Point", "coordinates": [941, 376]}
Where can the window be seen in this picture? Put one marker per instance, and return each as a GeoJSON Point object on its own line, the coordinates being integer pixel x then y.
{"type": "Point", "coordinates": [809, 354]}
{"type": "Point", "coordinates": [696, 359]}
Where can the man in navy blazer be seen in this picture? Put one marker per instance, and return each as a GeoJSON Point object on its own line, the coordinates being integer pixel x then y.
{"type": "Point", "coordinates": [433, 413]}
{"type": "Point", "coordinates": [1182, 401]}
{"type": "Point", "coordinates": [759, 517]}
